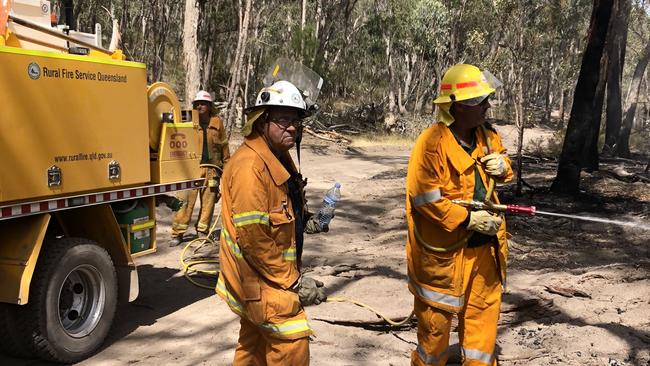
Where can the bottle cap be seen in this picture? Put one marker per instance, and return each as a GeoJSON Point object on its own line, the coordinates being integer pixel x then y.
{"type": "Point", "coordinates": [337, 185]}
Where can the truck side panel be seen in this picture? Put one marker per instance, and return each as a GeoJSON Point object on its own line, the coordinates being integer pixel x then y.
{"type": "Point", "coordinates": [75, 115]}
{"type": "Point", "coordinates": [20, 243]}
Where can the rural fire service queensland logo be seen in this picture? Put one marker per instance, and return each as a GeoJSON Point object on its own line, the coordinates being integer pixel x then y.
{"type": "Point", "coordinates": [34, 71]}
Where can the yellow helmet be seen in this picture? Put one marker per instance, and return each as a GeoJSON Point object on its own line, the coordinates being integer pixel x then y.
{"type": "Point", "coordinates": [463, 82]}
{"type": "Point", "coordinates": [466, 83]}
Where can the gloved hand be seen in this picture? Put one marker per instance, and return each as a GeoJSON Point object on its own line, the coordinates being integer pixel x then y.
{"type": "Point", "coordinates": [312, 226]}
{"type": "Point", "coordinates": [495, 164]}
{"type": "Point", "coordinates": [483, 222]}
{"type": "Point", "coordinates": [310, 291]}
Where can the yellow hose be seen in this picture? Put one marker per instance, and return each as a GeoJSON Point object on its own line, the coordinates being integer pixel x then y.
{"type": "Point", "coordinates": [187, 264]}
{"type": "Point", "coordinates": [368, 307]}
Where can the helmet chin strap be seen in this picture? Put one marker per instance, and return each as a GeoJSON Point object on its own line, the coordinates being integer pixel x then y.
{"type": "Point", "coordinates": [298, 140]}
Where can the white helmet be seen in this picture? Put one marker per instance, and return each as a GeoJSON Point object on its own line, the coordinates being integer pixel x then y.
{"type": "Point", "coordinates": [202, 96]}
{"type": "Point", "coordinates": [281, 94]}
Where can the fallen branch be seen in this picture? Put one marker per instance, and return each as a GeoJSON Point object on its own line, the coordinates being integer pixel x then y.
{"type": "Point", "coordinates": [336, 134]}
{"type": "Point", "coordinates": [524, 357]}
{"type": "Point", "coordinates": [619, 160]}
{"type": "Point", "coordinates": [621, 174]}
{"type": "Point", "coordinates": [311, 132]}
{"type": "Point", "coordinates": [567, 292]}
{"type": "Point", "coordinates": [378, 325]}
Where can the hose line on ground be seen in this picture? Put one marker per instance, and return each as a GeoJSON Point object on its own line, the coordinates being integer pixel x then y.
{"type": "Point", "coordinates": [188, 264]}
{"type": "Point", "coordinates": [388, 320]}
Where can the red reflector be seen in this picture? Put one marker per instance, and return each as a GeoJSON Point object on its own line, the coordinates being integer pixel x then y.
{"type": "Point", "coordinates": [466, 84]}
{"type": "Point", "coordinates": [445, 87]}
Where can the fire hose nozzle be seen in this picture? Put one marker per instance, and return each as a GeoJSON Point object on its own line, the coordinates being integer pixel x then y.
{"type": "Point", "coordinates": [526, 210]}
{"type": "Point", "coordinates": [495, 207]}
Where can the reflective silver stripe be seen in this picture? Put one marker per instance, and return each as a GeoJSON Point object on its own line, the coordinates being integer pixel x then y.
{"type": "Point", "coordinates": [289, 254]}
{"type": "Point", "coordinates": [251, 217]}
{"type": "Point", "coordinates": [427, 197]}
{"type": "Point", "coordinates": [429, 359]}
{"type": "Point", "coordinates": [233, 246]}
{"type": "Point", "coordinates": [474, 354]}
{"type": "Point", "coordinates": [438, 297]}
{"type": "Point", "coordinates": [289, 327]}
{"type": "Point", "coordinates": [228, 297]}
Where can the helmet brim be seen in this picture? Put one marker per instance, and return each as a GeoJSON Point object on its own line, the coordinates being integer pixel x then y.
{"type": "Point", "coordinates": [251, 110]}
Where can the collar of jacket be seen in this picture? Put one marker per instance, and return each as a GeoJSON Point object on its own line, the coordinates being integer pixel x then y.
{"type": "Point", "coordinates": [279, 174]}
{"type": "Point", "coordinates": [214, 123]}
{"type": "Point", "coordinates": [460, 160]}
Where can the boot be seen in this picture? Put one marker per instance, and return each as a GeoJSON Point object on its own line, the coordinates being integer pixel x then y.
{"type": "Point", "coordinates": [175, 241]}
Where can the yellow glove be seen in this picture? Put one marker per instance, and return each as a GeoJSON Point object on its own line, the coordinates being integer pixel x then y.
{"type": "Point", "coordinates": [483, 222]}
{"type": "Point", "coordinates": [495, 164]}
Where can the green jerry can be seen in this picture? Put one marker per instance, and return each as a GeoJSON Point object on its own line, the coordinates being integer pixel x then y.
{"type": "Point", "coordinates": [133, 217]}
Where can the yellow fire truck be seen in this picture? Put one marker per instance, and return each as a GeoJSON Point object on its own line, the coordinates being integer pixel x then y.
{"type": "Point", "coordinates": [86, 150]}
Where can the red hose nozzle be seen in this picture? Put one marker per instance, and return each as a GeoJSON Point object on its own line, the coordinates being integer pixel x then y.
{"type": "Point", "coordinates": [526, 210]}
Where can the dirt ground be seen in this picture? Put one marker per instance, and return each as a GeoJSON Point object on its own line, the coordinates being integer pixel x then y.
{"type": "Point", "coordinates": [578, 292]}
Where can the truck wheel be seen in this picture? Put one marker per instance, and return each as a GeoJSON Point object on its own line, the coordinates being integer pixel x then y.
{"type": "Point", "coordinates": [72, 302]}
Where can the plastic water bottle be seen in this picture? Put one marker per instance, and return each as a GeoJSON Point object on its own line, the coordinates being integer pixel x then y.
{"type": "Point", "coordinates": [326, 212]}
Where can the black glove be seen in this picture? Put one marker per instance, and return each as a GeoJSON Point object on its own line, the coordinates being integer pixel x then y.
{"type": "Point", "coordinates": [310, 291]}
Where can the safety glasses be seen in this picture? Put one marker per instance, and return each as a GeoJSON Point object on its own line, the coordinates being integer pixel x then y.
{"type": "Point", "coordinates": [472, 102]}
{"type": "Point", "coordinates": [284, 122]}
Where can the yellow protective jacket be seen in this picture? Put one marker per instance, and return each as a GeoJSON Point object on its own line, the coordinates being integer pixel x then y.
{"type": "Point", "coordinates": [218, 150]}
{"type": "Point", "coordinates": [439, 171]}
{"type": "Point", "coordinates": [258, 245]}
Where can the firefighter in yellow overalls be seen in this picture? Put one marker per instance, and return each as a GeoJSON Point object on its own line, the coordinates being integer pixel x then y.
{"type": "Point", "coordinates": [264, 216]}
{"type": "Point", "coordinates": [457, 258]}
{"type": "Point", "coordinates": [215, 154]}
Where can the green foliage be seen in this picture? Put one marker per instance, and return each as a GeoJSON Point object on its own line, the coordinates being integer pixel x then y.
{"type": "Point", "coordinates": [350, 42]}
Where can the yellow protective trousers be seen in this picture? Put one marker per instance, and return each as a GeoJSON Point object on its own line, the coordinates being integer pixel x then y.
{"type": "Point", "coordinates": [477, 319]}
{"type": "Point", "coordinates": [255, 347]}
{"type": "Point", "coordinates": [209, 197]}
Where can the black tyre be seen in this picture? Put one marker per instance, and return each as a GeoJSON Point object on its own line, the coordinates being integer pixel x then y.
{"type": "Point", "coordinates": [72, 302]}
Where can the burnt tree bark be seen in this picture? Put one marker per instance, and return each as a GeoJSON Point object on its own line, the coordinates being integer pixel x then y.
{"type": "Point", "coordinates": [616, 57]}
{"type": "Point", "coordinates": [583, 114]}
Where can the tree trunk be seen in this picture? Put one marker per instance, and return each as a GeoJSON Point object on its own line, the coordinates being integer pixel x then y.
{"type": "Point", "coordinates": [561, 107]}
{"type": "Point", "coordinates": [303, 18]}
{"type": "Point", "coordinates": [519, 106]}
{"type": "Point", "coordinates": [590, 148]}
{"type": "Point", "coordinates": [622, 147]}
{"type": "Point", "coordinates": [319, 16]}
{"type": "Point", "coordinates": [584, 101]}
{"type": "Point", "coordinates": [389, 119]}
{"type": "Point", "coordinates": [116, 37]}
{"type": "Point", "coordinates": [235, 71]}
{"type": "Point", "coordinates": [548, 100]}
{"type": "Point", "coordinates": [616, 57]}
{"type": "Point", "coordinates": [191, 53]}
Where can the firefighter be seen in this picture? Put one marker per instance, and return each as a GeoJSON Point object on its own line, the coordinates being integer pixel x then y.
{"type": "Point", "coordinates": [456, 257]}
{"type": "Point", "coordinates": [215, 153]}
{"type": "Point", "coordinates": [264, 216]}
